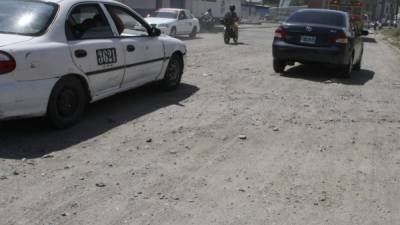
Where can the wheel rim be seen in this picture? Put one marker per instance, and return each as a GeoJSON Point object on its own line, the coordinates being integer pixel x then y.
{"type": "Point", "coordinates": [173, 72]}
{"type": "Point", "coordinates": [67, 102]}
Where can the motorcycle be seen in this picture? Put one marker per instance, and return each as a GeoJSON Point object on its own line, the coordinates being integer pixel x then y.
{"type": "Point", "coordinates": [231, 31]}
{"type": "Point", "coordinates": [207, 21]}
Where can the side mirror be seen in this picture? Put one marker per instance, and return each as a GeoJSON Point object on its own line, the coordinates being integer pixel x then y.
{"type": "Point", "coordinates": [364, 33]}
{"type": "Point", "coordinates": [155, 32]}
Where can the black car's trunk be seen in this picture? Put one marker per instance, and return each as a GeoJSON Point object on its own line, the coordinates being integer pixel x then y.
{"type": "Point", "coordinates": [311, 35]}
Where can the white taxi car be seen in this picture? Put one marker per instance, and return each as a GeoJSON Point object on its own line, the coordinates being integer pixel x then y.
{"type": "Point", "coordinates": [174, 22]}
{"type": "Point", "coordinates": [58, 55]}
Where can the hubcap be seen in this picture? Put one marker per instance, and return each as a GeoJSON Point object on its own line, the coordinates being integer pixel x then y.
{"type": "Point", "coordinates": [67, 102]}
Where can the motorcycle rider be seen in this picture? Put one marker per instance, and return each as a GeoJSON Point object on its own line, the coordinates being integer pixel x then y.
{"type": "Point", "coordinates": [232, 19]}
{"type": "Point", "coordinates": [208, 12]}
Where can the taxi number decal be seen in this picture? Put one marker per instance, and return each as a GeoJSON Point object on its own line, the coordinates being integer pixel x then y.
{"type": "Point", "coordinates": [106, 56]}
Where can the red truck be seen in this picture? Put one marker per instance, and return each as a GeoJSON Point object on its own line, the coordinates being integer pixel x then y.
{"type": "Point", "coordinates": [353, 7]}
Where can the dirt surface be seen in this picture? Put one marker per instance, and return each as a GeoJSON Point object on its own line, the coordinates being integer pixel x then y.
{"type": "Point", "coordinates": [236, 144]}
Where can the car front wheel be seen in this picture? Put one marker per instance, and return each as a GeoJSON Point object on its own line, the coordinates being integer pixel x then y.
{"type": "Point", "coordinates": [67, 102]}
{"type": "Point", "coordinates": [173, 32]}
{"type": "Point", "coordinates": [173, 74]}
{"type": "Point", "coordinates": [193, 33]}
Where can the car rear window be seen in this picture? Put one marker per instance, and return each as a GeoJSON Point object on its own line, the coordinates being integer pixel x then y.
{"type": "Point", "coordinates": [25, 17]}
{"type": "Point", "coordinates": [315, 17]}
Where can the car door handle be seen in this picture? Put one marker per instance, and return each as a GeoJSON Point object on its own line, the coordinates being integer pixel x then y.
{"type": "Point", "coordinates": [80, 53]}
{"type": "Point", "coordinates": [130, 48]}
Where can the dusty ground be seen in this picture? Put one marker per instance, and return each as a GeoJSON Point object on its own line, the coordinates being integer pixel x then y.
{"type": "Point", "coordinates": [319, 150]}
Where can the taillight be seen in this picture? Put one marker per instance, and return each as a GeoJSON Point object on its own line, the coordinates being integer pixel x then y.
{"type": "Point", "coordinates": [7, 63]}
{"type": "Point", "coordinates": [280, 33]}
{"type": "Point", "coordinates": [340, 38]}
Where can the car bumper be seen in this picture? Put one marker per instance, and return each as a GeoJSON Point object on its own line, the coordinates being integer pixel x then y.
{"type": "Point", "coordinates": [336, 55]}
{"type": "Point", "coordinates": [19, 99]}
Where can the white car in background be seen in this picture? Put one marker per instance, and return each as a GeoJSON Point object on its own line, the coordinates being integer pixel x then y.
{"type": "Point", "coordinates": [56, 56]}
{"type": "Point", "coordinates": [174, 22]}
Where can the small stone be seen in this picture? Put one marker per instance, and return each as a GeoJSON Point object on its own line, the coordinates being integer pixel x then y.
{"type": "Point", "coordinates": [64, 214]}
{"type": "Point", "coordinates": [149, 140]}
{"type": "Point", "coordinates": [315, 203]}
{"type": "Point", "coordinates": [100, 184]}
{"type": "Point", "coordinates": [176, 199]}
{"type": "Point", "coordinates": [242, 137]}
{"type": "Point", "coordinates": [139, 193]}
{"type": "Point", "coordinates": [173, 152]}
{"type": "Point", "coordinates": [276, 129]}
{"type": "Point", "coordinates": [3, 178]}
{"type": "Point", "coordinates": [242, 190]}
{"type": "Point", "coordinates": [23, 159]}
{"type": "Point", "coordinates": [16, 173]}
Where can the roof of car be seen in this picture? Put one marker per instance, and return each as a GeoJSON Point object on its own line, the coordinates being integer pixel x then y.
{"type": "Point", "coordinates": [322, 10]}
{"type": "Point", "coordinates": [77, 1]}
{"type": "Point", "coordinates": [170, 9]}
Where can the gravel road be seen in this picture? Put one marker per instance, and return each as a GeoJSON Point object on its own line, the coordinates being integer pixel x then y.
{"type": "Point", "coordinates": [236, 144]}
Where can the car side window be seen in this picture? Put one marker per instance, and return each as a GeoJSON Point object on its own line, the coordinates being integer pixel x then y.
{"type": "Point", "coordinates": [126, 24]}
{"type": "Point", "coordinates": [87, 22]}
{"type": "Point", "coordinates": [189, 15]}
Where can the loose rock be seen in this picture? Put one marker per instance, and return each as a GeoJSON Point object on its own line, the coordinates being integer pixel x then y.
{"type": "Point", "coordinates": [242, 137]}
{"type": "Point", "coordinates": [100, 184]}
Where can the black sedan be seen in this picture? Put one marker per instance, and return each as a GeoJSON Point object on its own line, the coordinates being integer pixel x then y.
{"type": "Point", "coordinates": [319, 36]}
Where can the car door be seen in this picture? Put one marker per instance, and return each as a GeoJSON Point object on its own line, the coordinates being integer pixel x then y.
{"type": "Point", "coordinates": [144, 54]}
{"type": "Point", "coordinates": [182, 24]}
{"type": "Point", "coordinates": [190, 20]}
{"type": "Point", "coordinates": [93, 47]}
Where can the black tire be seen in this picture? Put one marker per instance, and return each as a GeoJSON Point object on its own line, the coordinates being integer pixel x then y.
{"type": "Point", "coordinates": [357, 66]}
{"type": "Point", "coordinates": [279, 66]}
{"type": "Point", "coordinates": [173, 74]}
{"type": "Point", "coordinates": [173, 32]}
{"type": "Point", "coordinates": [346, 73]}
{"type": "Point", "coordinates": [67, 102]}
{"type": "Point", "coordinates": [194, 33]}
{"type": "Point", "coordinates": [226, 38]}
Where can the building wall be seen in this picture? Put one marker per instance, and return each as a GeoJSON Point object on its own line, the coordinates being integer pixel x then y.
{"type": "Point", "coordinates": [219, 7]}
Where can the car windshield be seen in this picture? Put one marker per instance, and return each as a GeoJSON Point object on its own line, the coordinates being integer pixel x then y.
{"type": "Point", "coordinates": [25, 17]}
{"type": "Point", "coordinates": [318, 17]}
{"type": "Point", "coordinates": [164, 14]}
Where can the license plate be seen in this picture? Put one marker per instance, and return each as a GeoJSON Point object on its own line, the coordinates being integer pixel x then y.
{"type": "Point", "coordinates": [308, 39]}
{"type": "Point", "coordinates": [106, 56]}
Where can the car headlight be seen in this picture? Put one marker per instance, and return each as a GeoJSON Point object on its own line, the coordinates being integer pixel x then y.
{"type": "Point", "coordinates": [163, 25]}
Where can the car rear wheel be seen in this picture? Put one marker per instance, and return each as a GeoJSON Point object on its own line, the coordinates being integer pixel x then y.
{"type": "Point", "coordinates": [67, 102]}
{"type": "Point", "coordinates": [346, 73]}
{"type": "Point", "coordinates": [173, 74]}
{"type": "Point", "coordinates": [279, 66]}
{"type": "Point", "coordinates": [357, 66]}
{"type": "Point", "coordinates": [193, 33]}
